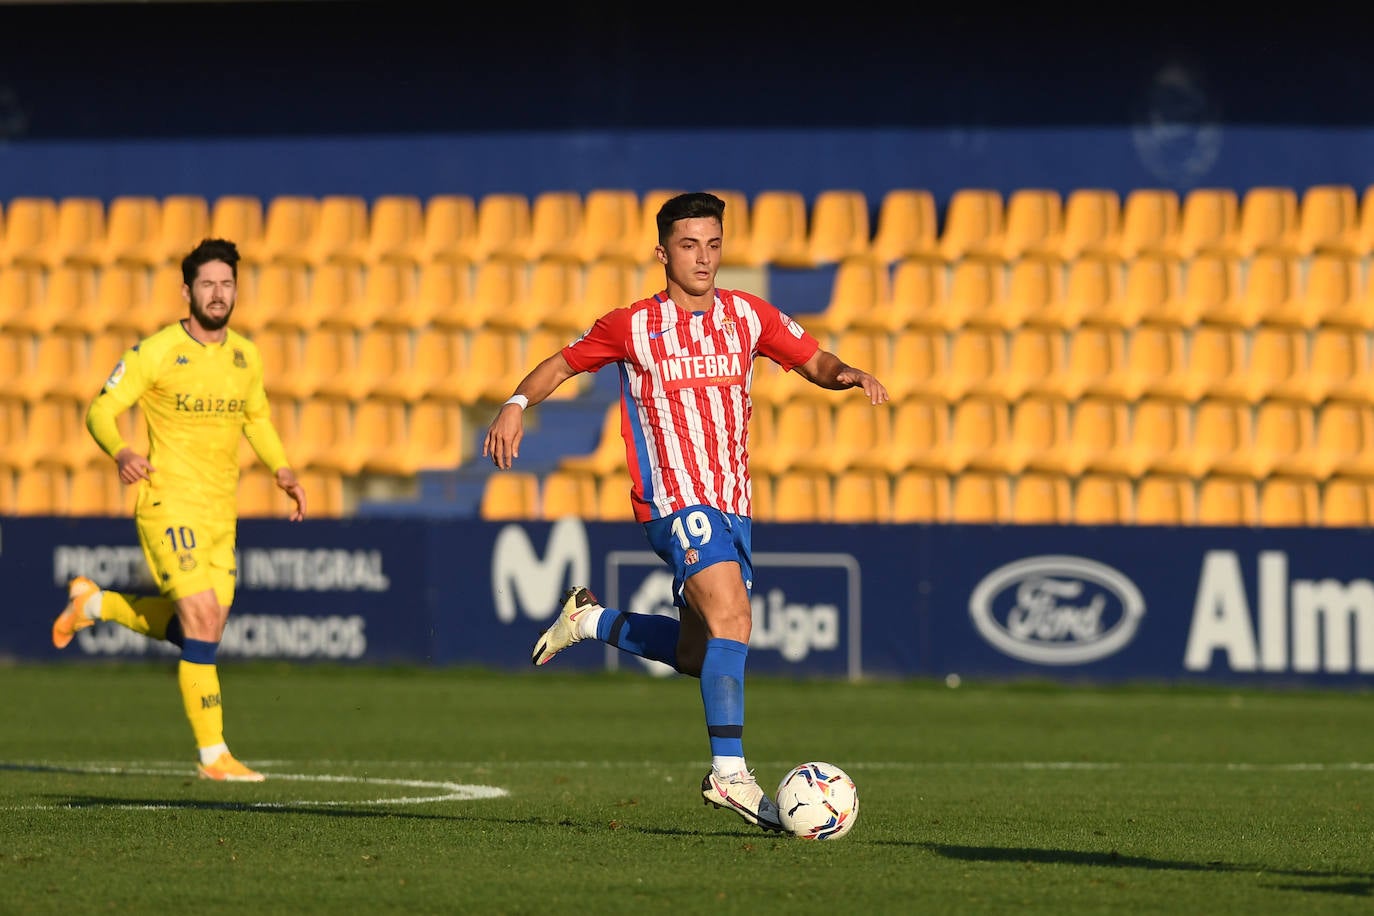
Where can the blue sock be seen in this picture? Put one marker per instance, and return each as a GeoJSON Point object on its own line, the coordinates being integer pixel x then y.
{"type": "Point", "coordinates": [651, 636]}
{"type": "Point", "coordinates": [722, 694]}
{"type": "Point", "coordinates": [199, 652]}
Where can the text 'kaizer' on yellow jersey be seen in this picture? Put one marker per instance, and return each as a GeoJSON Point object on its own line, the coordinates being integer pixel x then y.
{"type": "Point", "coordinates": [197, 399]}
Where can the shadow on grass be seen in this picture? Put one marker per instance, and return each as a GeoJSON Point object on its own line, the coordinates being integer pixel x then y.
{"type": "Point", "coordinates": [1358, 884]}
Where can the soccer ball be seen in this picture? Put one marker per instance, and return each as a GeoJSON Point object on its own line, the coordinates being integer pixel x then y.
{"type": "Point", "coordinates": [817, 801]}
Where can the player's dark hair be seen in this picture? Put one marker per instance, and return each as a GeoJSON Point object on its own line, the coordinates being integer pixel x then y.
{"type": "Point", "coordinates": [692, 205]}
{"type": "Point", "coordinates": [210, 250]}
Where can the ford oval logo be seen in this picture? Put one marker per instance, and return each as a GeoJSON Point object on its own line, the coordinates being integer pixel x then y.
{"type": "Point", "coordinates": [1056, 610]}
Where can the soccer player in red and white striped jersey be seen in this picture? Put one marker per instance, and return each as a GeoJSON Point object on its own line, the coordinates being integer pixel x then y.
{"type": "Point", "coordinates": [685, 358]}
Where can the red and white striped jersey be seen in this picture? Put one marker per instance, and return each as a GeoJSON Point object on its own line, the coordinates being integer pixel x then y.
{"type": "Point", "coordinates": [684, 393]}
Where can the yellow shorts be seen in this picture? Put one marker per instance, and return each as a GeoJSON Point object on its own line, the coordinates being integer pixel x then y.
{"type": "Point", "coordinates": [189, 551]}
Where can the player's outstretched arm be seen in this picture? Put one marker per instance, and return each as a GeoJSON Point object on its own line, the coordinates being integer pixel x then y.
{"type": "Point", "coordinates": [829, 371]}
{"type": "Point", "coordinates": [502, 443]}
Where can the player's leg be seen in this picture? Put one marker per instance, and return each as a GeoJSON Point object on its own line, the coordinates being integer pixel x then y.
{"type": "Point", "coordinates": [651, 636]}
{"type": "Point", "coordinates": [195, 563]}
{"type": "Point", "coordinates": [152, 615]}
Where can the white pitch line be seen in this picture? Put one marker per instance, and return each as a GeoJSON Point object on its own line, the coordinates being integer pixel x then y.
{"type": "Point", "coordinates": [450, 791]}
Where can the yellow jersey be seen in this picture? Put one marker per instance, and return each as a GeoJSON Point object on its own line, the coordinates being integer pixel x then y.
{"type": "Point", "coordinates": [197, 399]}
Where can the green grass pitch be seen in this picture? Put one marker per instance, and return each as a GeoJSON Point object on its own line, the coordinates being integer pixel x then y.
{"type": "Point", "coordinates": [460, 791]}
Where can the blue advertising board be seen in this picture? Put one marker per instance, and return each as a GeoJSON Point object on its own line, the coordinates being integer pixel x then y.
{"type": "Point", "coordinates": [1278, 606]}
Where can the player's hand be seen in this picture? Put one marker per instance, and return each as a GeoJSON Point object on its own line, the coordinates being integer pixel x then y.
{"type": "Point", "coordinates": [502, 443]}
{"type": "Point", "coordinates": [133, 467]}
{"type": "Point", "coordinates": [286, 480]}
{"type": "Point", "coordinates": [857, 378]}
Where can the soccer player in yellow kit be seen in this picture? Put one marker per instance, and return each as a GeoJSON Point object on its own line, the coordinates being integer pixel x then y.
{"type": "Point", "coordinates": [199, 385]}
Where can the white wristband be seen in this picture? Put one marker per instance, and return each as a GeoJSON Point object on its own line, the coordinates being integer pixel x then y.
{"type": "Point", "coordinates": [520, 399]}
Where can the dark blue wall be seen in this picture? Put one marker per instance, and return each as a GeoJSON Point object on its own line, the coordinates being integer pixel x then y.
{"type": "Point", "coordinates": [372, 98]}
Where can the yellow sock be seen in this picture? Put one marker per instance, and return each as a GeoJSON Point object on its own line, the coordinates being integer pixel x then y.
{"type": "Point", "coordinates": [146, 614]}
{"type": "Point", "coordinates": [200, 696]}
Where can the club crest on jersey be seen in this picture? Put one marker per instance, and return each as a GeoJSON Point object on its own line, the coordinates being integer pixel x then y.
{"type": "Point", "coordinates": [691, 557]}
{"type": "Point", "coordinates": [727, 325]}
{"type": "Point", "coordinates": [240, 361]}
{"type": "Point", "coordinates": [116, 375]}
{"type": "Point", "coordinates": [187, 561]}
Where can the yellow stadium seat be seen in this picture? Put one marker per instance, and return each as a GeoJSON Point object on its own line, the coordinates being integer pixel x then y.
{"type": "Point", "coordinates": [1213, 361]}
{"type": "Point", "coordinates": [921, 496]}
{"type": "Point", "coordinates": [40, 490]}
{"type": "Point", "coordinates": [423, 360]}
{"type": "Point", "coordinates": [556, 220]}
{"type": "Point", "coordinates": [380, 355]}
{"type": "Point", "coordinates": [81, 233]}
{"type": "Point", "coordinates": [510, 496]}
{"type": "Point", "coordinates": [977, 361]}
{"type": "Point", "coordinates": [396, 230]}
{"type": "Point", "coordinates": [917, 363]}
{"type": "Point", "coordinates": [443, 298]}
{"type": "Point", "coordinates": [907, 226]}
{"type": "Point", "coordinates": [1362, 240]}
{"type": "Point", "coordinates": [325, 354]}
{"type": "Point", "coordinates": [1339, 366]}
{"type": "Point", "coordinates": [1095, 363]}
{"type": "Point", "coordinates": [1277, 367]}
{"type": "Point", "coordinates": [547, 288]}
{"type": "Point", "coordinates": [974, 294]}
{"type": "Point", "coordinates": [611, 227]}
{"type": "Point", "coordinates": [568, 493]}
{"type": "Point", "coordinates": [94, 490]}
{"type": "Point", "coordinates": [647, 237]}
{"type": "Point", "coordinates": [1092, 224]}
{"type": "Point", "coordinates": [1267, 290]}
{"type": "Point", "coordinates": [259, 496]}
{"type": "Point", "coordinates": [1268, 222]}
{"type": "Point", "coordinates": [979, 434]}
{"type": "Point", "coordinates": [165, 305]}
{"type": "Point", "coordinates": [49, 363]}
{"type": "Point", "coordinates": [605, 285]}
{"type": "Point", "coordinates": [1034, 287]}
{"type": "Point", "coordinates": [94, 302]}
{"type": "Point", "coordinates": [342, 231]}
{"type": "Point", "coordinates": [1149, 222]}
{"type": "Point", "coordinates": [1099, 434]}
{"type": "Point", "coordinates": [1221, 430]}
{"type": "Point", "coordinates": [802, 428]}
{"type": "Point", "coordinates": [49, 436]}
{"type": "Point", "coordinates": [1283, 431]}
{"type": "Point", "coordinates": [30, 228]}
{"type": "Point", "coordinates": [1331, 292]}
{"type": "Point", "coordinates": [1034, 223]}
{"type": "Point", "coordinates": [1347, 503]}
{"type": "Point", "coordinates": [325, 493]}
{"type": "Point", "coordinates": [69, 290]}
{"type": "Point", "coordinates": [240, 219]}
{"type": "Point", "coordinates": [918, 296]}
{"type": "Point", "coordinates": [289, 226]}
{"type": "Point", "coordinates": [1040, 498]}
{"type": "Point", "coordinates": [1155, 364]}
{"type": "Point", "coordinates": [739, 228]}
{"type": "Point", "coordinates": [919, 437]}
{"type": "Point", "coordinates": [1209, 222]}
{"type": "Point", "coordinates": [1159, 431]}
{"type": "Point", "coordinates": [613, 498]}
{"type": "Point", "coordinates": [857, 429]}
{"type": "Point", "coordinates": [838, 228]}
{"type": "Point", "coordinates": [185, 222]}
{"type": "Point", "coordinates": [1038, 432]}
{"type": "Point", "coordinates": [1090, 289]}
{"type": "Point", "coordinates": [1151, 284]}
{"type": "Point", "coordinates": [802, 496]}
{"type": "Point", "coordinates": [980, 498]}
{"type": "Point", "coordinates": [858, 294]}
{"type": "Point", "coordinates": [861, 497]}
{"type": "Point", "coordinates": [133, 232]}
{"type": "Point", "coordinates": [375, 424]}
{"type": "Point", "coordinates": [291, 297]}
{"type": "Point", "coordinates": [1210, 280]}
{"type": "Point", "coordinates": [778, 229]}
{"type": "Point", "coordinates": [1165, 500]}
{"type": "Point", "coordinates": [452, 231]}
{"type": "Point", "coordinates": [334, 299]}
{"type": "Point", "coordinates": [21, 289]}
{"type": "Point", "coordinates": [492, 367]}
{"type": "Point", "coordinates": [1035, 361]}
{"type": "Point", "coordinates": [1229, 501]}
{"type": "Point", "coordinates": [1328, 217]}
{"type": "Point", "coordinates": [499, 285]}
{"type": "Point", "coordinates": [1102, 499]}
{"type": "Point", "coordinates": [973, 224]}
{"type": "Point", "coordinates": [1288, 502]}
{"type": "Point", "coordinates": [447, 348]}
{"type": "Point", "coordinates": [324, 439]}
{"type": "Point", "coordinates": [385, 290]}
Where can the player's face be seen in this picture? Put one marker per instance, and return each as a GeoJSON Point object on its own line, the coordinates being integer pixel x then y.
{"type": "Point", "coordinates": [212, 295]}
{"type": "Point", "coordinates": [692, 254]}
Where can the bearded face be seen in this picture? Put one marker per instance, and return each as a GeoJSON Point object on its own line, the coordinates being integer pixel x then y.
{"type": "Point", "coordinates": [212, 295]}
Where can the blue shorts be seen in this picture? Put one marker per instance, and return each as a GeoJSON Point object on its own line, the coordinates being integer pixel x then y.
{"type": "Point", "coordinates": [694, 538]}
